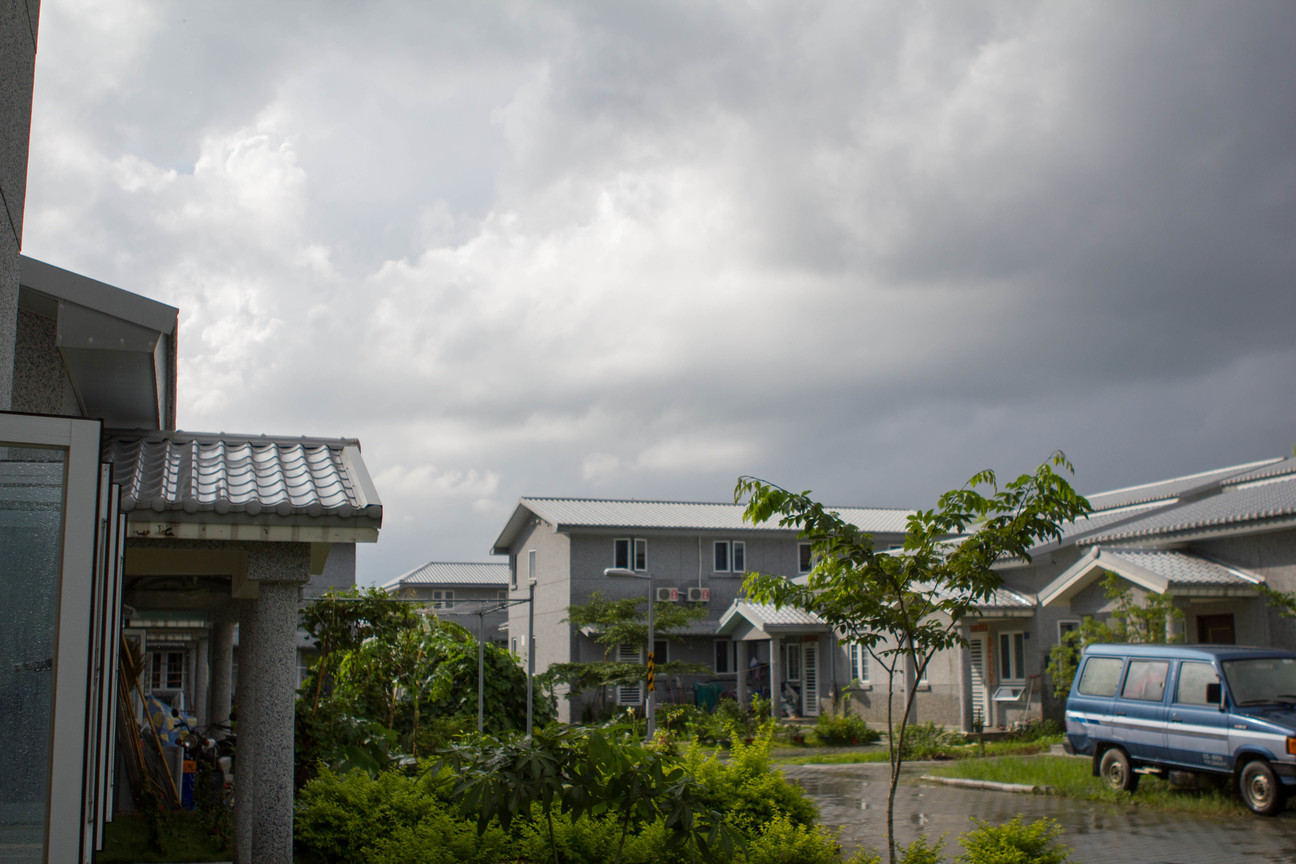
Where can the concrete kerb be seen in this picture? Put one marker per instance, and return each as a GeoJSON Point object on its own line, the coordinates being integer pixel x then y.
{"type": "Point", "coordinates": [1020, 788]}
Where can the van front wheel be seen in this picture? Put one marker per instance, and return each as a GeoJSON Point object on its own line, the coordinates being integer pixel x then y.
{"type": "Point", "coordinates": [1260, 788]}
{"type": "Point", "coordinates": [1116, 772]}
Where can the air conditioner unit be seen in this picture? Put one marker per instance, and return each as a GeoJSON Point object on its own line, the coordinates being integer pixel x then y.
{"type": "Point", "coordinates": [665, 594]}
{"type": "Point", "coordinates": [699, 595]}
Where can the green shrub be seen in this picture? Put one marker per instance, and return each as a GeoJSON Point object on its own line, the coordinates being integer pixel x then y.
{"type": "Point", "coordinates": [850, 729]}
{"type": "Point", "coordinates": [782, 841]}
{"type": "Point", "coordinates": [917, 852]}
{"type": "Point", "coordinates": [1014, 843]}
{"type": "Point", "coordinates": [928, 741]}
{"type": "Point", "coordinates": [745, 789]}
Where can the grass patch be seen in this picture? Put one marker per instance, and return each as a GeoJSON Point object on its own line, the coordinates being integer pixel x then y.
{"type": "Point", "coordinates": [952, 752]}
{"type": "Point", "coordinates": [1072, 778]}
{"type": "Point", "coordinates": [184, 837]}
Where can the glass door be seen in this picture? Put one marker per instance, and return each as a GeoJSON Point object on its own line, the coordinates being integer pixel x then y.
{"type": "Point", "coordinates": [49, 501]}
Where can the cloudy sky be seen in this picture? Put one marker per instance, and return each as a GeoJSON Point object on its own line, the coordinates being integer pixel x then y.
{"type": "Point", "coordinates": [639, 249]}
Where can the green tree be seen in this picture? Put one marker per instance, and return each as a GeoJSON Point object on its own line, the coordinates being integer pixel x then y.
{"type": "Point", "coordinates": [620, 622]}
{"type": "Point", "coordinates": [910, 603]}
{"type": "Point", "coordinates": [1131, 621]}
{"type": "Point", "coordinates": [398, 681]}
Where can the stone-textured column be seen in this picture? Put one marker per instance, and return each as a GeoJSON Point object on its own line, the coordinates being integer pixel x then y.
{"type": "Point", "coordinates": [222, 663]}
{"type": "Point", "coordinates": [245, 770]}
{"type": "Point", "coordinates": [279, 570]}
{"type": "Point", "coordinates": [276, 674]}
{"type": "Point", "coordinates": [201, 681]}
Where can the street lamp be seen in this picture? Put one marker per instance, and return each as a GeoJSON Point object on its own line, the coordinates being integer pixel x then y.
{"type": "Point", "coordinates": [650, 707]}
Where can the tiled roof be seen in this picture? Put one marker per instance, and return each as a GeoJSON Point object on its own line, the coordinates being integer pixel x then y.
{"type": "Point", "coordinates": [767, 617]}
{"type": "Point", "coordinates": [1178, 568]}
{"type": "Point", "coordinates": [591, 512]}
{"type": "Point", "coordinates": [1165, 490]}
{"type": "Point", "coordinates": [1159, 570]}
{"type": "Point", "coordinates": [1254, 501]}
{"type": "Point", "coordinates": [193, 476]}
{"type": "Point", "coordinates": [453, 573]}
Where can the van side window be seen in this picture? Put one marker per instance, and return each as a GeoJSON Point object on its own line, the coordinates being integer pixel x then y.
{"type": "Point", "coordinates": [1101, 676]}
{"type": "Point", "coordinates": [1146, 680]}
{"type": "Point", "coordinates": [1193, 679]}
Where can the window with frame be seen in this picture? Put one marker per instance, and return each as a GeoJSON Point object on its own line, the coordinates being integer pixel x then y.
{"type": "Point", "coordinates": [1145, 680]}
{"type": "Point", "coordinates": [513, 571]}
{"type": "Point", "coordinates": [1194, 679]}
{"type": "Point", "coordinates": [621, 553]}
{"type": "Point", "coordinates": [443, 598]}
{"type": "Point", "coordinates": [1012, 656]}
{"type": "Point", "coordinates": [531, 566]}
{"type": "Point", "coordinates": [726, 656]}
{"type": "Point", "coordinates": [1065, 626]}
{"type": "Point", "coordinates": [805, 558]}
{"type": "Point", "coordinates": [167, 670]}
{"type": "Point", "coordinates": [859, 663]}
{"type": "Point", "coordinates": [730, 556]}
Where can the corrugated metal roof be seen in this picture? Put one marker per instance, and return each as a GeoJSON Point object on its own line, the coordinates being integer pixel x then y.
{"type": "Point", "coordinates": [187, 473]}
{"type": "Point", "coordinates": [1269, 471]}
{"type": "Point", "coordinates": [1164, 490]}
{"type": "Point", "coordinates": [1235, 504]}
{"type": "Point", "coordinates": [686, 515]}
{"type": "Point", "coordinates": [453, 573]}
{"type": "Point", "coordinates": [767, 617]}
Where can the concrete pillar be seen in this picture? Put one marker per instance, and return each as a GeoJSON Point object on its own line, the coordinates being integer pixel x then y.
{"type": "Point", "coordinates": [201, 682]}
{"type": "Point", "coordinates": [245, 769]}
{"type": "Point", "coordinates": [776, 676]}
{"type": "Point", "coordinates": [275, 696]}
{"type": "Point", "coordinates": [221, 659]}
{"type": "Point", "coordinates": [743, 674]}
{"type": "Point", "coordinates": [965, 681]}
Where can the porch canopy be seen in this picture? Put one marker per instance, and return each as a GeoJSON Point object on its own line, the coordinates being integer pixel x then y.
{"type": "Point", "coordinates": [746, 622]}
{"type": "Point", "coordinates": [1157, 570]}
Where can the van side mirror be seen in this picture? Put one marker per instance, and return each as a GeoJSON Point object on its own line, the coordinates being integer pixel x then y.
{"type": "Point", "coordinates": [1213, 694]}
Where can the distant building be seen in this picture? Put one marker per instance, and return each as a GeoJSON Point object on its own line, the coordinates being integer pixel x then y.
{"type": "Point", "coordinates": [471, 594]}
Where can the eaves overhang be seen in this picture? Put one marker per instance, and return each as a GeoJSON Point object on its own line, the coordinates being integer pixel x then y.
{"type": "Point", "coordinates": [118, 348]}
{"type": "Point", "coordinates": [1202, 578]}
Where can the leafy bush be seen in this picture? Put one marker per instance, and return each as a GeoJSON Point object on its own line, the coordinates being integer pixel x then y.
{"type": "Point", "coordinates": [1014, 843]}
{"type": "Point", "coordinates": [849, 729]}
{"type": "Point", "coordinates": [745, 789]}
{"type": "Point", "coordinates": [1037, 729]}
{"type": "Point", "coordinates": [917, 852]}
{"type": "Point", "coordinates": [929, 741]}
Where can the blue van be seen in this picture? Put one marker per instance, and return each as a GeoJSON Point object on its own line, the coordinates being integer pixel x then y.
{"type": "Point", "coordinates": [1224, 710]}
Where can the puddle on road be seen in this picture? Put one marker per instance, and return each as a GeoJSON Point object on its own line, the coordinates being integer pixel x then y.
{"type": "Point", "coordinates": [854, 801]}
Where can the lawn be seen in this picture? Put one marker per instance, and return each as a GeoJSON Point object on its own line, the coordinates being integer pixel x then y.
{"type": "Point", "coordinates": [1069, 777]}
{"type": "Point", "coordinates": [878, 752]}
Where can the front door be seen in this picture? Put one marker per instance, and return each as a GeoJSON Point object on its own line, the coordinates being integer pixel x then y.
{"type": "Point", "coordinates": [790, 689]}
{"type": "Point", "coordinates": [810, 679]}
{"type": "Point", "coordinates": [1216, 629]}
{"type": "Point", "coordinates": [980, 697]}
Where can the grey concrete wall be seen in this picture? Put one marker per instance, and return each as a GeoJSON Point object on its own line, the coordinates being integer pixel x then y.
{"type": "Point", "coordinates": [40, 381]}
{"type": "Point", "coordinates": [18, 32]}
{"type": "Point", "coordinates": [339, 571]}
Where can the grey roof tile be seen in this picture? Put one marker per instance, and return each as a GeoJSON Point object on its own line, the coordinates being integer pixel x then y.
{"type": "Point", "coordinates": [686, 515]}
{"type": "Point", "coordinates": [202, 473]}
{"type": "Point", "coordinates": [1165, 490]}
{"type": "Point", "coordinates": [1178, 568]}
{"type": "Point", "coordinates": [454, 573]}
{"type": "Point", "coordinates": [1254, 501]}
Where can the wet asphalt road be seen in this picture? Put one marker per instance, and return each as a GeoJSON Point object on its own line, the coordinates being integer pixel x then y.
{"type": "Point", "coordinates": [852, 798]}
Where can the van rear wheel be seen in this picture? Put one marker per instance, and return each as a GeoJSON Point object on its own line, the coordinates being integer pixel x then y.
{"type": "Point", "coordinates": [1116, 772]}
{"type": "Point", "coordinates": [1261, 790]}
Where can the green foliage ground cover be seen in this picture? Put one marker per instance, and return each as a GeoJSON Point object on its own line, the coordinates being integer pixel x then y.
{"type": "Point", "coordinates": [181, 836]}
{"type": "Point", "coordinates": [1070, 777]}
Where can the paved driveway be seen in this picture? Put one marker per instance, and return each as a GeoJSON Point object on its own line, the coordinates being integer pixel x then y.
{"type": "Point", "coordinates": [853, 798]}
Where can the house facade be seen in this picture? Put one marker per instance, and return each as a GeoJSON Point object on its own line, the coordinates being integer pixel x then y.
{"type": "Point", "coordinates": [686, 553]}
{"type": "Point", "coordinates": [1206, 539]}
{"type": "Point", "coordinates": [468, 593]}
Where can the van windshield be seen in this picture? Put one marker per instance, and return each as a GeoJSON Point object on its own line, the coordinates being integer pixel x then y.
{"type": "Point", "coordinates": [1262, 680]}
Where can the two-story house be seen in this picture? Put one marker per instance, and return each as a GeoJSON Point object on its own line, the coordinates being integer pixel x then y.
{"type": "Point", "coordinates": [683, 552]}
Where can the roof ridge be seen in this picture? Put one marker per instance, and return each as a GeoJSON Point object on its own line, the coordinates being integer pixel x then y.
{"type": "Point", "coordinates": [693, 503]}
{"type": "Point", "coordinates": [1236, 469]}
{"type": "Point", "coordinates": [185, 436]}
